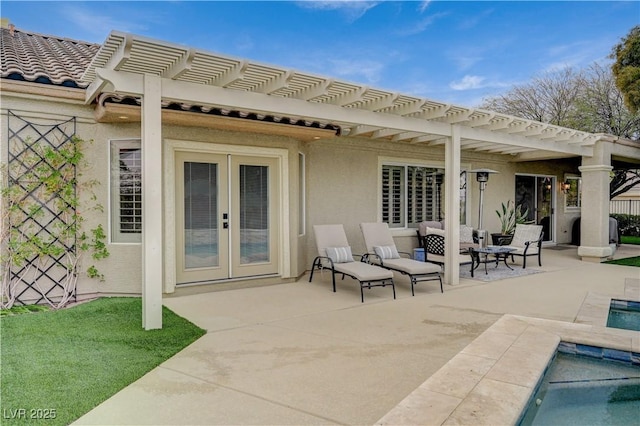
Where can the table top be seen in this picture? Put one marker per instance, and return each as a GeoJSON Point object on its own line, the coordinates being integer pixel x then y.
{"type": "Point", "coordinates": [493, 249]}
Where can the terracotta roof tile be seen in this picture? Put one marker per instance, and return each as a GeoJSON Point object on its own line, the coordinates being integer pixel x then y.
{"type": "Point", "coordinates": [44, 59]}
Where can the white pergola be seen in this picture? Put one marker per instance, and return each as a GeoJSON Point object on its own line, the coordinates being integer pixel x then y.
{"type": "Point", "coordinates": [158, 71]}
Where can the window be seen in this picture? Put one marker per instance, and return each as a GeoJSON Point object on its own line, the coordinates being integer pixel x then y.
{"type": "Point", "coordinates": [126, 191]}
{"type": "Point", "coordinates": [463, 197]}
{"type": "Point", "coordinates": [411, 194]}
{"type": "Point", "coordinates": [573, 196]}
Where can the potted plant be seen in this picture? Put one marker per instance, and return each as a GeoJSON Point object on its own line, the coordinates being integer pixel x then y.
{"type": "Point", "coordinates": [510, 215]}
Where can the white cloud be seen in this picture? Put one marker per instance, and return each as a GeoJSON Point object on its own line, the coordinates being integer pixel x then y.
{"type": "Point", "coordinates": [475, 20]}
{"type": "Point", "coordinates": [98, 25]}
{"type": "Point", "coordinates": [424, 5]}
{"type": "Point", "coordinates": [422, 24]}
{"type": "Point", "coordinates": [468, 82]}
{"type": "Point", "coordinates": [353, 9]}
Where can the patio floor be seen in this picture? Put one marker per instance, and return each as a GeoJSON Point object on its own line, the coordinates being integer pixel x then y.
{"type": "Point", "coordinates": [297, 353]}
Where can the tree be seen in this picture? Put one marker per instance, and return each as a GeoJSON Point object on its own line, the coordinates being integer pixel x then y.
{"type": "Point", "coordinates": [622, 180]}
{"type": "Point", "coordinates": [626, 68]}
{"type": "Point", "coordinates": [587, 100]}
{"type": "Point", "coordinates": [549, 98]}
{"type": "Point", "coordinates": [600, 106]}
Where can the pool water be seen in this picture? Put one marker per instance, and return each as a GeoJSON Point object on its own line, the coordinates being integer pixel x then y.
{"type": "Point", "coordinates": [624, 314]}
{"type": "Point", "coordinates": [580, 390]}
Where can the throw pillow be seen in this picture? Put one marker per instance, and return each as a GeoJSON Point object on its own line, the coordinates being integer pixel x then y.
{"type": "Point", "coordinates": [466, 234]}
{"type": "Point", "coordinates": [339, 254]}
{"type": "Point", "coordinates": [387, 252]}
{"type": "Point", "coordinates": [435, 231]}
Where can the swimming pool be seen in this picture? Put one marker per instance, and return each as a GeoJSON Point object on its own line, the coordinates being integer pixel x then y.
{"type": "Point", "coordinates": [624, 314]}
{"type": "Point", "coordinates": [580, 389]}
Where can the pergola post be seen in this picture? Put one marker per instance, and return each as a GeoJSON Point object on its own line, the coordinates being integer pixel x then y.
{"type": "Point", "coordinates": [152, 278]}
{"type": "Point", "coordinates": [594, 222]}
{"type": "Point", "coordinates": [452, 207]}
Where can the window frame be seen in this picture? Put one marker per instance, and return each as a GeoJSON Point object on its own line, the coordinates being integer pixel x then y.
{"type": "Point", "coordinates": [115, 234]}
{"type": "Point", "coordinates": [578, 195]}
{"type": "Point", "coordinates": [406, 163]}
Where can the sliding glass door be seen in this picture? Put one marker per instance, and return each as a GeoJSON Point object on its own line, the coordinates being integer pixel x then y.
{"type": "Point", "coordinates": [536, 194]}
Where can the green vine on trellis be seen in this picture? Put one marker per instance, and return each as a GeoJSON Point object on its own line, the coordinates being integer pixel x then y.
{"type": "Point", "coordinates": [48, 187]}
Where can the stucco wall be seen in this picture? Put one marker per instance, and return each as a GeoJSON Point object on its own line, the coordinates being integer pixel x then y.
{"type": "Point", "coordinates": [342, 183]}
{"type": "Point", "coordinates": [343, 186]}
{"type": "Point", "coordinates": [122, 269]}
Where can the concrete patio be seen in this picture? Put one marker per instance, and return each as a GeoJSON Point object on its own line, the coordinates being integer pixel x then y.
{"type": "Point", "coordinates": [297, 353]}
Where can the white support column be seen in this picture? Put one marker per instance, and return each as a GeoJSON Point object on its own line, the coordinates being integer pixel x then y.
{"type": "Point", "coordinates": [152, 277]}
{"type": "Point", "coordinates": [594, 221]}
{"type": "Point", "coordinates": [452, 207]}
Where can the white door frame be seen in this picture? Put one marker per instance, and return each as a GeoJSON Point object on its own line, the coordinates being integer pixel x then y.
{"type": "Point", "coordinates": [173, 145]}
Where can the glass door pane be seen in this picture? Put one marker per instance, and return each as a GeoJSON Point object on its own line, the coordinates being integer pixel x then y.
{"type": "Point", "coordinates": [526, 196]}
{"type": "Point", "coordinates": [544, 211]}
{"type": "Point", "coordinates": [254, 221]}
{"type": "Point", "coordinates": [254, 214]}
{"type": "Point", "coordinates": [200, 215]}
{"type": "Point", "coordinates": [536, 193]}
{"type": "Point", "coordinates": [201, 203]}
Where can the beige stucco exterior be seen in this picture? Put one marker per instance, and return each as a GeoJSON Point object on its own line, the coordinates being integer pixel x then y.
{"type": "Point", "coordinates": [342, 181]}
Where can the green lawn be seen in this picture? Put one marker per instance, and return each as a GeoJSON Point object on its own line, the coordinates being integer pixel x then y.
{"type": "Point", "coordinates": [625, 239]}
{"type": "Point", "coordinates": [629, 261]}
{"type": "Point", "coordinates": [69, 361]}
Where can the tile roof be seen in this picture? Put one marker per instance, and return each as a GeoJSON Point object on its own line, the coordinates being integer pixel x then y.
{"type": "Point", "coordinates": [106, 98]}
{"type": "Point", "coordinates": [44, 59]}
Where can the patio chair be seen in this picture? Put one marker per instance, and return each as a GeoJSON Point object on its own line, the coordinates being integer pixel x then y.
{"type": "Point", "coordinates": [527, 241]}
{"type": "Point", "coordinates": [433, 244]}
{"type": "Point", "coordinates": [468, 235]}
{"type": "Point", "coordinates": [381, 250]}
{"type": "Point", "coordinates": [334, 253]}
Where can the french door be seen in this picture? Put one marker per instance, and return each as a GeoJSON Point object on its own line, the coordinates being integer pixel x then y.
{"type": "Point", "coordinates": [226, 216]}
{"type": "Point", "coordinates": [536, 193]}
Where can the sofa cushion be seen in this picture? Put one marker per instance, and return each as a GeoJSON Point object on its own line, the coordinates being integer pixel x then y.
{"type": "Point", "coordinates": [434, 231]}
{"type": "Point", "coordinates": [422, 226]}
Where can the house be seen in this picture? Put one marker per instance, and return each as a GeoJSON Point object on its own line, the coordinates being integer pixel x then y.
{"type": "Point", "coordinates": [215, 168]}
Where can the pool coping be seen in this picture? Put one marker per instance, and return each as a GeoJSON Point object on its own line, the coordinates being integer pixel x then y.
{"type": "Point", "coordinates": [492, 380]}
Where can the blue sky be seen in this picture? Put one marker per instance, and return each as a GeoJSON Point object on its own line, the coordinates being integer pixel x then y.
{"type": "Point", "coordinates": [451, 51]}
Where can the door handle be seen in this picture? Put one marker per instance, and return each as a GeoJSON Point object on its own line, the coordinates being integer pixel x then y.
{"type": "Point", "coordinates": [225, 225]}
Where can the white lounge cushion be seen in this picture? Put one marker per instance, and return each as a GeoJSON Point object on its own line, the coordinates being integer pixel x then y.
{"type": "Point", "coordinates": [363, 271]}
{"type": "Point", "coordinates": [411, 266]}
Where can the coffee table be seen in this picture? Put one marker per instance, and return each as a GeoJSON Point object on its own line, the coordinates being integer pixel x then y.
{"type": "Point", "coordinates": [498, 252]}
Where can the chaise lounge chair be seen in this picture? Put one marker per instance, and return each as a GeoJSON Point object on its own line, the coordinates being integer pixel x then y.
{"type": "Point", "coordinates": [527, 241]}
{"type": "Point", "coordinates": [382, 251]}
{"type": "Point", "coordinates": [334, 253]}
